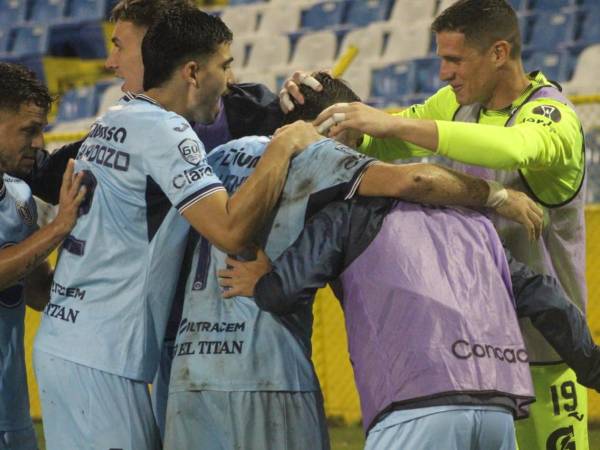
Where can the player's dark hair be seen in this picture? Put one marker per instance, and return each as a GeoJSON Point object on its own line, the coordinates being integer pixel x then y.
{"type": "Point", "coordinates": [19, 85]}
{"type": "Point", "coordinates": [334, 91]}
{"type": "Point", "coordinates": [181, 34]}
{"type": "Point", "coordinates": [143, 13]}
{"type": "Point", "coordinates": [483, 22]}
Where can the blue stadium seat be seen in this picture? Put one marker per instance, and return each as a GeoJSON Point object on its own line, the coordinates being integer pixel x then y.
{"type": "Point", "coordinates": [243, 2]}
{"type": "Point", "coordinates": [557, 66]}
{"type": "Point", "coordinates": [362, 12]}
{"type": "Point", "coordinates": [45, 11]}
{"type": "Point", "coordinates": [29, 40]}
{"type": "Point", "coordinates": [4, 40]}
{"type": "Point", "coordinates": [77, 104]}
{"type": "Point", "coordinates": [87, 9]}
{"type": "Point", "coordinates": [83, 40]}
{"type": "Point", "coordinates": [550, 31]}
{"type": "Point", "coordinates": [323, 15]}
{"type": "Point", "coordinates": [549, 5]}
{"type": "Point", "coordinates": [426, 75]}
{"type": "Point", "coordinates": [518, 5]}
{"type": "Point", "coordinates": [587, 30]}
{"type": "Point", "coordinates": [12, 13]}
{"type": "Point", "coordinates": [393, 82]}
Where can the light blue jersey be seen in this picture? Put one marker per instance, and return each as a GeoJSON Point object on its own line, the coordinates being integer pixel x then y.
{"type": "Point", "coordinates": [232, 345]}
{"type": "Point", "coordinates": [115, 279]}
{"type": "Point", "coordinates": [18, 220]}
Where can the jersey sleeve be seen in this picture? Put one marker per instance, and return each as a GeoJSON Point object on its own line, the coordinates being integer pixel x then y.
{"type": "Point", "coordinates": [546, 134]}
{"type": "Point", "coordinates": [327, 166]}
{"type": "Point", "coordinates": [177, 163]}
{"type": "Point", "coordinates": [440, 106]}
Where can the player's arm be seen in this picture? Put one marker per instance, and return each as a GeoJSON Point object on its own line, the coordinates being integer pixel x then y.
{"type": "Point", "coordinates": [436, 185]}
{"type": "Point", "coordinates": [37, 286]}
{"type": "Point", "coordinates": [231, 222]}
{"type": "Point", "coordinates": [19, 260]}
{"type": "Point", "coordinates": [528, 144]}
{"type": "Point", "coordinates": [316, 258]}
{"type": "Point", "coordinates": [563, 325]}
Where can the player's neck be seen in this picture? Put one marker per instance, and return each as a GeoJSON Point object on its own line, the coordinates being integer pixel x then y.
{"type": "Point", "coordinates": [511, 85]}
{"type": "Point", "coordinates": [170, 97]}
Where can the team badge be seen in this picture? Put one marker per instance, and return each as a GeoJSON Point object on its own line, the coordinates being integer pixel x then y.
{"type": "Point", "coordinates": [550, 112]}
{"type": "Point", "coordinates": [28, 216]}
{"type": "Point", "coordinates": [190, 151]}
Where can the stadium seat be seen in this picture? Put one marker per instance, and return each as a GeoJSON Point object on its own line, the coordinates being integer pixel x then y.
{"type": "Point", "coordinates": [358, 77]}
{"type": "Point", "coordinates": [281, 18]}
{"type": "Point", "coordinates": [549, 5]}
{"type": "Point", "coordinates": [4, 40]}
{"type": "Point", "coordinates": [268, 51]}
{"type": "Point", "coordinates": [265, 77]}
{"type": "Point", "coordinates": [241, 19]}
{"type": "Point", "coordinates": [588, 31]}
{"type": "Point", "coordinates": [12, 13]}
{"type": "Point", "coordinates": [426, 75]}
{"type": "Point", "coordinates": [29, 40]}
{"type": "Point", "coordinates": [109, 97]}
{"type": "Point", "coordinates": [83, 40]}
{"type": "Point", "coordinates": [557, 66]}
{"type": "Point", "coordinates": [407, 42]}
{"type": "Point", "coordinates": [550, 31]}
{"type": "Point", "coordinates": [585, 76]}
{"type": "Point", "coordinates": [244, 2]}
{"type": "Point", "coordinates": [391, 83]}
{"type": "Point", "coordinates": [407, 12]}
{"type": "Point", "coordinates": [315, 50]}
{"type": "Point", "coordinates": [369, 41]}
{"type": "Point", "coordinates": [240, 49]}
{"type": "Point", "coordinates": [323, 15]}
{"type": "Point", "coordinates": [46, 11]}
{"type": "Point", "coordinates": [362, 12]}
{"type": "Point", "coordinates": [77, 104]}
{"type": "Point", "coordinates": [87, 9]}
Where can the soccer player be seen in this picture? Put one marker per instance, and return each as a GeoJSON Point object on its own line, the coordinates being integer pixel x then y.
{"type": "Point", "coordinates": [520, 130]}
{"type": "Point", "coordinates": [418, 286]}
{"type": "Point", "coordinates": [100, 338]}
{"type": "Point", "coordinates": [242, 378]}
{"type": "Point", "coordinates": [24, 275]}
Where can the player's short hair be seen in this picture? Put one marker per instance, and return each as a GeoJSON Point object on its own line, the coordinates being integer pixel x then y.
{"type": "Point", "coordinates": [179, 35]}
{"type": "Point", "coordinates": [483, 22]}
{"type": "Point", "coordinates": [19, 85]}
{"type": "Point", "coordinates": [143, 13]}
{"type": "Point", "coordinates": [334, 91]}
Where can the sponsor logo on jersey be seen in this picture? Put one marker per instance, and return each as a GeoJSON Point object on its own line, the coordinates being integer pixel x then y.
{"type": "Point", "coordinates": [465, 350]}
{"type": "Point", "coordinates": [239, 158]}
{"type": "Point", "coordinates": [181, 128]}
{"type": "Point", "coordinates": [548, 111]}
{"type": "Point", "coordinates": [210, 327]}
{"type": "Point", "coordinates": [108, 133]}
{"type": "Point", "coordinates": [63, 313]}
{"type": "Point", "coordinates": [105, 156]}
{"type": "Point", "coordinates": [191, 152]}
{"type": "Point", "coordinates": [562, 439]}
{"type": "Point", "coordinates": [28, 216]}
{"type": "Point", "coordinates": [191, 176]}
{"type": "Point", "coordinates": [65, 291]}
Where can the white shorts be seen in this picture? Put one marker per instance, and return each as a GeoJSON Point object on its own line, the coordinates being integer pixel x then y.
{"type": "Point", "coordinates": [447, 427]}
{"type": "Point", "coordinates": [85, 408]}
{"type": "Point", "coordinates": [24, 439]}
{"type": "Point", "coordinates": [214, 420]}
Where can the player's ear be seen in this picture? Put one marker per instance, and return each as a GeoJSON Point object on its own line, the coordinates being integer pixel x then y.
{"type": "Point", "coordinates": [189, 73]}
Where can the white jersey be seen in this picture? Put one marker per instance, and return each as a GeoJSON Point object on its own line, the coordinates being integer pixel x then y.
{"type": "Point", "coordinates": [115, 279]}
{"type": "Point", "coordinates": [17, 222]}
{"type": "Point", "coordinates": [232, 345]}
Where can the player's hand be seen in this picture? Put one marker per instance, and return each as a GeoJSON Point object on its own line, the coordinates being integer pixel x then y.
{"type": "Point", "coordinates": [520, 208]}
{"type": "Point", "coordinates": [72, 194]}
{"type": "Point", "coordinates": [240, 278]}
{"type": "Point", "coordinates": [358, 116]}
{"type": "Point", "coordinates": [291, 89]}
{"type": "Point", "coordinates": [296, 136]}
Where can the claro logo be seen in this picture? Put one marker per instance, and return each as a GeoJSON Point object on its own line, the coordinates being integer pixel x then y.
{"type": "Point", "coordinates": [465, 350]}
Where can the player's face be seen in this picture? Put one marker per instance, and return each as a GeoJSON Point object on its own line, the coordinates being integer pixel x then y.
{"type": "Point", "coordinates": [125, 58]}
{"type": "Point", "coordinates": [469, 71]}
{"type": "Point", "coordinates": [20, 135]}
{"type": "Point", "coordinates": [212, 80]}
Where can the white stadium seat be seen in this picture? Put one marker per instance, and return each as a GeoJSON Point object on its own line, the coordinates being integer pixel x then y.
{"type": "Point", "coordinates": [268, 51]}
{"type": "Point", "coordinates": [315, 50]}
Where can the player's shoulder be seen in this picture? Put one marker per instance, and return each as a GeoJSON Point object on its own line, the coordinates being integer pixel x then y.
{"type": "Point", "coordinates": [15, 187]}
{"type": "Point", "coordinates": [254, 145]}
